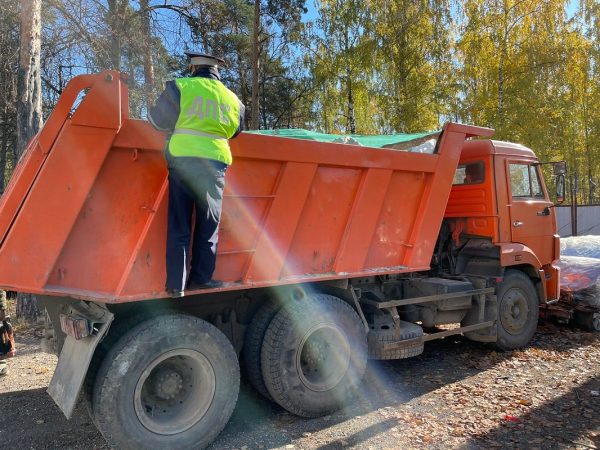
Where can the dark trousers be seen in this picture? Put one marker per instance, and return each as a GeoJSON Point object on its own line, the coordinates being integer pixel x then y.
{"type": "Point", "coordinates": [193, 183]}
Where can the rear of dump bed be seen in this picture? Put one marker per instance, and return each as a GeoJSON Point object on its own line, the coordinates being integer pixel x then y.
{"type": "Point", "coordinates": [84, 214]}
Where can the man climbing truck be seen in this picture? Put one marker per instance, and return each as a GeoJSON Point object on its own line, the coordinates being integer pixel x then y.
{"type": "Point", "coordinates": [329, 253]}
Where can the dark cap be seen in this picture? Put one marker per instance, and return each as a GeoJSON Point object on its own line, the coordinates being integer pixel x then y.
{"type": "Point", "coordinates": [201, 59]}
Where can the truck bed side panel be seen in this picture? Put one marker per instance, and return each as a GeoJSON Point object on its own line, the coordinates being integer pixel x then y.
{"type": "Point", "coordinates": [92, 225]}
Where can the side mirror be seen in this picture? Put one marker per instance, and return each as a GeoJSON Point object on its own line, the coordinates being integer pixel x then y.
{"type": "Point", "coordinates": [560, 188]}
{"type": "Point", "coordinates": [559, 168]}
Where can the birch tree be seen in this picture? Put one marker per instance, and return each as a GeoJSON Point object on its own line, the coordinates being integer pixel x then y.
{"type": "Point", "coordinates": [341, 60]}
{"type": "Point", "coordinates": [29, 87]}
{"type": "Point", "coordinates": [414, 59]}
{"type": "Point", "coordinates": [29, 103]}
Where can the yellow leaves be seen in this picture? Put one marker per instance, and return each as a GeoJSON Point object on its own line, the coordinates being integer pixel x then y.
{"type": "Point", "coordinates": [520, 66]}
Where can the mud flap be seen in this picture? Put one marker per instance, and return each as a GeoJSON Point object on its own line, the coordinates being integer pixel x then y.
{"type": "Point", "coordinates": [74, 360]}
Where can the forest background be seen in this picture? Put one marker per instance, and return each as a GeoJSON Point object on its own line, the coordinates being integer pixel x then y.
{"type": "Point", "coordinates": [528, 68]}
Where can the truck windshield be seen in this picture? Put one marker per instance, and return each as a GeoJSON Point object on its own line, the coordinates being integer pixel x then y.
{"type": "Point", "coordinates": [471, 173]}
{"type": "Point", "coordinates": [525, 182]}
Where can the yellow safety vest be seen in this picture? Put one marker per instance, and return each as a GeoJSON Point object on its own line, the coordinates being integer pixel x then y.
{"type": "Point", "coordinates": [209, 116]}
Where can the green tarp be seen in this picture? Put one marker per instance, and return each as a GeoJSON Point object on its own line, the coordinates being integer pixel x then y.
{"type": "Point", "coordinates": [367, 141]}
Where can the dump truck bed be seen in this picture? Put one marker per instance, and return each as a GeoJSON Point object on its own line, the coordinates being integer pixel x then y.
{"type": "Point", "coordinates": [85, 212]}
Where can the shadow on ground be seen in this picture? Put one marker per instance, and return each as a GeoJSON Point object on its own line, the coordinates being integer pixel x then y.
{"type": "Point", "coordinates": [30, 419]}
{"type": "Point", "coordinates": [559, 423]}
{"type": "Point", "coordinates": [387, 383]}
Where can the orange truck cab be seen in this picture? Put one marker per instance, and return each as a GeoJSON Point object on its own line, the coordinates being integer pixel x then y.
{"type": "Point", "coordinates": [506, 204]}
{"type": "Point", "coordinates": [330, 254]}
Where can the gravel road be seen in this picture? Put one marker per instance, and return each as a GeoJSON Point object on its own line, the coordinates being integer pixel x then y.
{"type": "Point", "coordinates": [458, 394]}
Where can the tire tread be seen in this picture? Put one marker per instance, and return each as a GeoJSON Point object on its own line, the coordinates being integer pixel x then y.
{"type": "Point", "coordinates": [509, 342]}
{"type": "Point", "coordinates": [253, 344]}
{"type": "Point", "coordinates": [377, 338]}
{"type": "Point", "coordinates": [272, 370]}
{"type": "Point", "coordinates": [106, 381]}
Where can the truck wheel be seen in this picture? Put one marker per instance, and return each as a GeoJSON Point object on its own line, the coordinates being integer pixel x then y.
{"type": "Point", "coordinates": [587, 320]}
{"type": "Point", "coordinates": [116, 331]}
{"type": "Point", "coordinates": [518, 310]}
{"type": "Point", "coordinates": [170, 382]}
{"type": "Point", "coordinates": [377, 338]}
{"type": "Point", "coordinates": [253, 344]}
{"type": "Point", "coordinates": [314, 355]}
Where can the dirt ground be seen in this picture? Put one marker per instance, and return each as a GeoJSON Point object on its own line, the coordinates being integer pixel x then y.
{"type": "Point", "coordinates": [458, 394]}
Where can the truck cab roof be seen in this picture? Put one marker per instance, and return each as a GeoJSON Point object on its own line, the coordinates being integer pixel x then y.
{"type": "Point", "coordinates": [480, 147]}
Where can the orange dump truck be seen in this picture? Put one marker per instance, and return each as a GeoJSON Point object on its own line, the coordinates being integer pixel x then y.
{"type": "Point", "coordinates": [330, 253]}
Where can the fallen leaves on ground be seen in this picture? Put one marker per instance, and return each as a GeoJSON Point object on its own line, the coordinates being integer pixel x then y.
{"type": "Point", "coordinates": [543, 396]}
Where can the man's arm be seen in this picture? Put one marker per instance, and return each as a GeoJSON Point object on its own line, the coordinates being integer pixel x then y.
{"type": "Point", "coordinates": [164, 114]}
{"type": "Point", "coordinates": [242, 116]}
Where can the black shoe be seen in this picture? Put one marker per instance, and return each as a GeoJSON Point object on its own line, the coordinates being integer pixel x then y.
{"type": "Point", "coordinates": [211, 284]}
{"type": "Point", "coordinates": [175, 293]}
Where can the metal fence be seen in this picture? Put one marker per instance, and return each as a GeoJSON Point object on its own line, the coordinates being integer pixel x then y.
{"type": "Point", "coordinates": [588, 220]}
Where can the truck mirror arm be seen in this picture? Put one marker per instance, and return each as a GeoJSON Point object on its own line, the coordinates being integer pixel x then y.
{"type": "Point", "coordinates": [559, 167]}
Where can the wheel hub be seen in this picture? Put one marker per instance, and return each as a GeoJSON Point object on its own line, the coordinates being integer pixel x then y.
{"type": "Point", "coordinates": [324, 357]}
{"type": "Point", "coordinates": [175, 391]}
{"type": "Point", "coordinates": [168, 383]}
{"type": "Point", "coordinates": [514, 311]}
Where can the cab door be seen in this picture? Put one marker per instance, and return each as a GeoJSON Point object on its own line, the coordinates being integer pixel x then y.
{"type": "Point", "coordinates": [532, 216]}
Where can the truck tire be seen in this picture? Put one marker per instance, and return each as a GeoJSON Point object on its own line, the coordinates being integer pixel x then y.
{"type": "Point", "coordinates": [117, 329]}
{"type": "Point", "coordinates": [379, 337]}
{"type": "Point", "coordinates": [314, 355]}
{"type": "Point", "coordinates": [255, 335]}
{"type": "Point", "coordinates": [170, 382]}
{"type": "Point", "coordinates": [518, 310]}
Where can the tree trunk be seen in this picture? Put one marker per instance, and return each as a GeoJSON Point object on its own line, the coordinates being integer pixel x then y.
{"type": "Point", "coordinates": [243, 86]}
{"type": "Point", "coordinates": [351, 119]}
{"type": "Point", "coordinates": [29, 83]}
{"type": "Point", "coordinates": [115, 21]}
{"type": "Point", "coordinates": [254, 118]}
{"type": "Point", "coordinates": [147, 56]}
{"type": "Point", "coordinates": [29, 105]}
{"type": "Point", "coordinates": [501, 61]}
{"type": "Point", "coordinates": [500, 111]}
{"type": "Point", "coordinates": [3, 152]}
{"type": "Point", "coordinates": [264, 99]}
{"type": "Point", "coordinates": [27, 307]}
